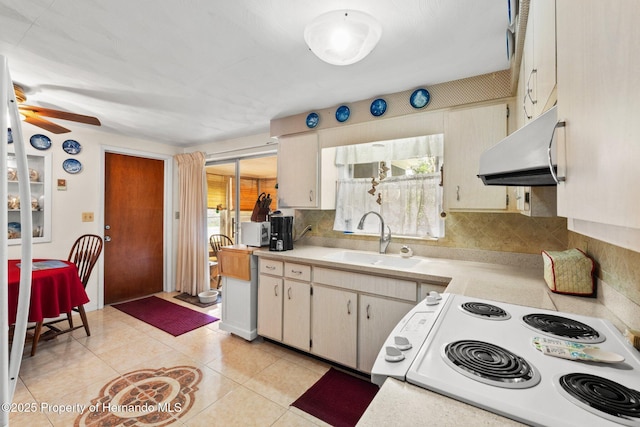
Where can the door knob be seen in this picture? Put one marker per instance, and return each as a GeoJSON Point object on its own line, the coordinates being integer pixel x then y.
{"type": "Point", "coordinates": [107, 238]}
{"type": "Point", "coordinates": [107, 227]}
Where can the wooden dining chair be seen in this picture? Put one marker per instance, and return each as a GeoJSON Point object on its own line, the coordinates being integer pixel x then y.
{"type": "Point", "coordinates": [84, 254]}
{"type": "Point", "coordinates": [217, 241]}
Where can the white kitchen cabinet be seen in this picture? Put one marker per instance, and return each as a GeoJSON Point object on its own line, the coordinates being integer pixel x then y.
{"type": "Point", "coordinates": [296, 320]}
{"type": "Point", "coordinates": [270, 288]}
{"type": "Point", "coordinates": [298, 171]}
{"type": "Point", "coordinates": [40, 203]}
{"type": "Point", "coordinates": [334, 325]}
{"type": "Point", "coordinates": [468, 133]}
{"type": "Point", "coordinates": [539, 59]}
{"type": "Point", "coordinates": [376, 319]}
{"type": "Point", "coordinates": [598, 149]}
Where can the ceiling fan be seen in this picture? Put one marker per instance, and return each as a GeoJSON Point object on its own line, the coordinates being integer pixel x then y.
{"type": "Point", "coordinates": [33, 114]}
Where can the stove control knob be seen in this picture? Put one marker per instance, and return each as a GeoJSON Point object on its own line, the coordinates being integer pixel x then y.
{"type": "Point", "coordinates": [432, 300]}
{"type": "Point", "coordinates": [435, 294]}
{"type": "Point", "coordinates": [402, 343]}
{"type": "Point", "coordinates": [393, 354]}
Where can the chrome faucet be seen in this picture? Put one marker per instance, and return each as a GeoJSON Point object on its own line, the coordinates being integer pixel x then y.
{"type": "Point", "coordinates": [385, 239]}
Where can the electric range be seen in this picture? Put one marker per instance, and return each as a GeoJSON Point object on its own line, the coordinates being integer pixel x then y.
{"type": "Point", "coordinates": [493, 355]}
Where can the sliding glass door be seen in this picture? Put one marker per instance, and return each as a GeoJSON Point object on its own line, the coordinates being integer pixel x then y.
{"type": "Point", "coordinates": [233, 188]}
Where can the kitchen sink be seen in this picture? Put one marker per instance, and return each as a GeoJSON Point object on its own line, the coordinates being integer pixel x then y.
{"type": "Point", "coordinates": [379, 260]}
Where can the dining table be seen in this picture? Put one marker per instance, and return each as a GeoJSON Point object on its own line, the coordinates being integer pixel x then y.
{"type": "Point", "coordinates": [56, 290]}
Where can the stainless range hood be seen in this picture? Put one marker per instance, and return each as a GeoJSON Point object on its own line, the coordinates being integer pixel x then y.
{"type": "Point", "coordinates": [525, 158]}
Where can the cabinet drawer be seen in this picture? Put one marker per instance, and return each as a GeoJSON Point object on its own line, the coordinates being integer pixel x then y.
{"type": "Point", "coordinates": [297, 271]}
{"type": "Point", "coordinates": [269, 266]}
{"type": "Point", "coordinates": [377, 285]}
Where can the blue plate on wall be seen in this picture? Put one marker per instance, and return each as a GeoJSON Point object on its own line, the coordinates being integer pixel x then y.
{"type": "Point", "coordinates": [312, 120]}
{"type": "Point", "coordinates": [343, 113]}
{"type": "Point", "coordinates": [420, 98]}
{"type": "Point", "coordinates": [40, 142]}
{"type": "Point", "coordinates": [378, 107]}
{"type": "Point", "coordinates": [71, 146]}
{"type": "Point", "coordinates": [72, 166]}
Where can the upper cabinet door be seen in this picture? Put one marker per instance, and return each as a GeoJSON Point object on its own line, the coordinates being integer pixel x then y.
{"type": "Point", "coordinates": [468, 132]}
{"type": "Point", "coordinates": [598, 87]}
{"type": "Point", "coordinates": [298, 171]}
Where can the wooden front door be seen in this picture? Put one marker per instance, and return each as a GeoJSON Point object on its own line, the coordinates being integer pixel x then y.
{"type": "Point", "coordinates": [133, 219]}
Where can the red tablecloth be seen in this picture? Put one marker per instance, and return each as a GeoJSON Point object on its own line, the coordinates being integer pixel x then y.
{"type": "Point", "coordinates": [53, 291]}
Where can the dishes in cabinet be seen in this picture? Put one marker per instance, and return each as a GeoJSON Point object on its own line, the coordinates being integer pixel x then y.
{"type": "Point", "coordinates": [14, 230]}
{"type": "Point", "coordinates": [40, 142]}
{"type": "Point", "coordinates": [34, 175]}
{"type": "Point", "coordinates": [12, 174]}
{"type": "Point", "coordinates": [71, 146]}
{"type": "Point", "coordinates": [72, 166]}
{"type": "Point", "coordinates": [13, 202]}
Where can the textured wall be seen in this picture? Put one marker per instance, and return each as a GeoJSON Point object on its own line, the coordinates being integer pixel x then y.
{"type": "Point", "coordinates": [502, 232]}
{"type": "Point", "coordinates": [617, 266]}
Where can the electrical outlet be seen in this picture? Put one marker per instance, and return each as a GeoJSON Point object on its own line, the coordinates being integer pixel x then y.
{"type": "Point", "coordinates": [87, 216]}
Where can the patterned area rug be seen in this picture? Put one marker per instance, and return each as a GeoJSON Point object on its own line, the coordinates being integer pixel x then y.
{"type": "Point", "coordinates": [337, 398]}
{"type": "Point", "coordinates": [196, 301]}
{"type": "Point", "coordinates": [147, 397]}
{"type": "Point", "coordinates": [165, 315]}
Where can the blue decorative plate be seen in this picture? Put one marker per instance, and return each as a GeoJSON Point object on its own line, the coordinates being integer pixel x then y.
{"type": "Point", "coordinates": [420, 98]}
{"type": "Point", "coordinates": [312, 120]}
{"type": "Point", "coordinates": [10, 136]}
{"type": "Point", "coordinates": [343, 113]}
{"type": "Point", "coordinates": [378, 107]}
{"type": "Point", "coordinates": [72, 166]}
{"type": "Point", "coordinates": [71, 146]}
{"type": "Point", "coordinates": [40, 142]}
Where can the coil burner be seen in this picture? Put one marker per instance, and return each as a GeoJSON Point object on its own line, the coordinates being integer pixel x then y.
{"type": "Point", "coordinates": [490, 364]}
{"type": "Point", "coordinates": [484, 310]}
{"type": "Point", "coordinates": [562, 327]}
{"type": "Point", "coordinates": [602, 397]}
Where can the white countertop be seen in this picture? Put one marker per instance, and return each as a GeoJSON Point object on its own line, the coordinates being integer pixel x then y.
{"type": "Point", "coordinates": [400, 403]}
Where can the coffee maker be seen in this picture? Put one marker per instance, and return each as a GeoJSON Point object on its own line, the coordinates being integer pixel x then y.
{"type": "Point", "coordinates": [281, 233]}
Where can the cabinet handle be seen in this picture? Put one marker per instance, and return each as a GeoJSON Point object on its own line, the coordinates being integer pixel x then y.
{"type": "Point", "coordinates": [289, 292]}
{"type": "Point", "coordinates": [529, 90]}
{"type": "Point", "coordinates": [457, 192]}
{"type": "Point", "coordinates": [556, 178]}
{"type": "Point", "coordinates": [311, 195]}
{"type": "Point", "coordinates": [270, 267]}
{"type": "Point", "coordinates": [349, 307]}
{"type": "Point", "coordinates": [275, 290]}
{"type": "Point", "coordinates": [524, 107]}
{"type": "Point", "coordinates": [368, 314]}
{"type": "Point", "coordinates": [296, 271]}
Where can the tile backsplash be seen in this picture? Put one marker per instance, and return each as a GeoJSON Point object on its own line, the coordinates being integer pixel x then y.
{"type": "Point", "coordinates": [501, 232]}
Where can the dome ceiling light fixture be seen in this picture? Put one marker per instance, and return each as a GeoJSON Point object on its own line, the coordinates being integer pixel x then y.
{"type": "Point", "coordinates": [342, 37]}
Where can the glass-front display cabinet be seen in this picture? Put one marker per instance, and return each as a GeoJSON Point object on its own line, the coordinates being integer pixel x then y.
{"type": "Point", "coordinates": [40, 203]}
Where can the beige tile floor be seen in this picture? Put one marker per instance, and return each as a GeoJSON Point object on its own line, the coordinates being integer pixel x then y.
{"type": "Point", "coordinates": [243, 383]}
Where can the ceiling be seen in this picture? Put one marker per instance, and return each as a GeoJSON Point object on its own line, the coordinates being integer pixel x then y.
{"type": "Point", "coordinates": [191, 72]}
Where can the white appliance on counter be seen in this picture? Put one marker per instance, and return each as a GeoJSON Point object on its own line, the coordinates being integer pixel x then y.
{"type": "Point", "coordinates": [239, 270]}
{"type": "Point", "coordinates": [255, 233]}
{"type": "Point", "coordinates": [492, 355]}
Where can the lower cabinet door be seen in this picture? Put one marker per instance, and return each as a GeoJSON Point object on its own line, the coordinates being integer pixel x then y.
{"type": "Point", "coordinates": [377, 318]}
{"type": "Point", "coordinates": [296, 326]}
{"type": "Point", "coordinates": [270, 307]}
{"type": "Point", "coordinates": [334, 325]}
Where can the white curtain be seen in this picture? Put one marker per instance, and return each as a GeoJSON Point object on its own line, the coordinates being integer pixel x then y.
{"type": "Point", "coordinates": [192, 272]}
{"type": "Point", "coordinates": [410, 205]}
{"type": "Point", "coordinates": [397, 149]}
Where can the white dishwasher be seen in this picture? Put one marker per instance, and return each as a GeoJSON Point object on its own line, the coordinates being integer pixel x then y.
{"type": "Point", "coordinates": [239, 270]}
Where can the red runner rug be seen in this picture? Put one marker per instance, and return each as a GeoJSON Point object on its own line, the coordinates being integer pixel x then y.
{"type": "Point", "coordinates": [337, 398]}
{"type": "Point", "coordinates": [165, 315]}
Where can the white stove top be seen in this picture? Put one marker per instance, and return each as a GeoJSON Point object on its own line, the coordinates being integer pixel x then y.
{"type": "Point", "coordinates": [541, 400]}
